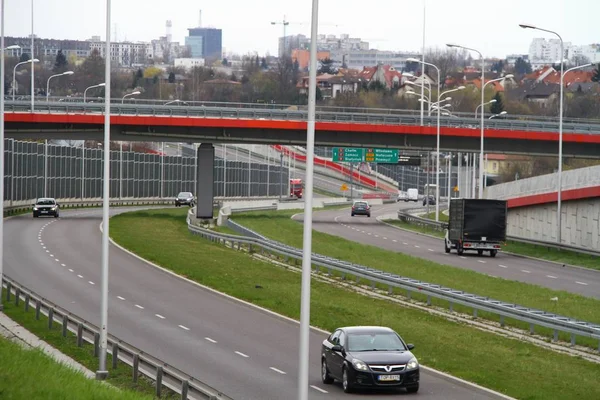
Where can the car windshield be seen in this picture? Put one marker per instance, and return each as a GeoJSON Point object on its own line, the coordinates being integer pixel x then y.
{"type": "Point", "coordinates": [360, 204]}
{"type": "Point", "coordinates": [375, 342]}
{"type": "Point", "coordinates": [297, 185]}
{"type": "Point", "coordinates": [184, 194]}
{"type": "Point", "coordinates": [45, 202]}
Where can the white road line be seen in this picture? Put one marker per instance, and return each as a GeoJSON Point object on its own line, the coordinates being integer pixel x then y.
{"type": "Point", "coordinates": [70, 270]}
{"type": "Point", "coordinates": [430, 250]}
{"type": "Point", "coordinates": [502, 266]}
{"type": "Point", "coordinates": [404, 243]}
{"type": "Point", "coordinates": [140, 307]}
{"type": "Point", "coordinates": [369, 233]}
{"type": "Point", "coordinates": [91, 283]}
{"type": "Point", "coordinates": [417, 246]}
{"type": "Point", "coordinates": [481, 261]}
{"type": "Point", "coordinates": [184, 327]}
{"type": "Point", "coordinates": [581, 283]}
{"type": "Point", "coordinates": [62, 265]}
{"type": "Point", "coordinates": [384, 238]}
{"type": "Point", "coordinates": [120, 298]}
{"type": "Point", "coordinates": [319, 389]}
{"type": "Point", "coordinates": [43, 247]}
{"type": "Point", "coordinates": [47, 251]}
{"type": "Point", "coordinates": [210, 340]}
{"type": "Point", "coordinates": [551, 276]}
{"type": "Point", "coordinates": [51, 255]}
{"type": "Point", "coordinates": [277, 370]}
{"type": "Point", "coordinates": [394, 240]}
{"type": "Point", "coordinates": [463, 257]}
{"type": "Point", "coordinates": [57, 260]}
{"type": "Point", "coordinates": [241, 354]}
{"type": "Point", "coordinates": [80, 276]}
{"type": "Point", "coordinates": [159, 316]}
{"type": "Point", "coordinates": [524, 270]}
{"type": "Point", "coordinates": [377, 236]}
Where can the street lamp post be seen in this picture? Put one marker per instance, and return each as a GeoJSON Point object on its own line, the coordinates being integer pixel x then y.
{"type": "Point", "coordinates": [497, 115]}
{"type": "Point", "coordinates": [48, 82]}
{"type": "Point", "coordinates": [492, 101]}
{"type": "Point", "coordinates": [560, 126]}
{"type": "Point", "coordinates": [129, 94]}
{"type": "Point", "coordinates": [34, 60]}
{"type": "Point", "coordinates": [482, 101]}
{"type": "Point", "coordinates": [91, 87]}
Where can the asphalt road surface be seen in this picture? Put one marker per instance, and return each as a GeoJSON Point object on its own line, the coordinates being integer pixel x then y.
{"type": "Point", "coordinates": [369, 231]}
{"type": "Point", "coordinates": [246, 352]}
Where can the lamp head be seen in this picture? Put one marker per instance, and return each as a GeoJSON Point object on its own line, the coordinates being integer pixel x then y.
{"type": "Point", "coordinates": [101, 84]}
{"type": "Point", "coordinates": [461, 88]}
{"type": "Point", "coordinates": [502, 113]}
{"type": "Point", "coordinates": [13, 47]}
{"type": "Point", "coordinates": [34, 60]}
{"type": "Point", "coordinates": [509, 76]}
{"type": "Point", "coordinates": [412, 59]}
{"type": "Point", "coordinates": [452, 45]}
{"type": "Point", "coordinates": [492, 101]}
{"type": "Point", "coordinates": [135, 93]}
{"type": "Point", "coordinates": [407, 74]}
{"type": "Point", "coordinates": [68, 73]}
{"type": "Point", "coordinates": [527, 26]}
{"type": "Point", "coordinates": [447, 98]}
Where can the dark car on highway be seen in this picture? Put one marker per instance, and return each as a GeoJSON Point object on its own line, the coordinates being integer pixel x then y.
{"type": "Point", "coordinates": [369, 357]}
{"type": "Point", "coordinates": [184, 198]}
{"type": "Point", "coordinates": [361, 208]}
{"type": "Point", "coordinates": [45, 206]}
{"type": "Point", "coordinates": [430, 199]}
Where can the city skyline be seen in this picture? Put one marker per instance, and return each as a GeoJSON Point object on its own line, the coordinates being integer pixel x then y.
{"type": "Point", "coordinates": [397, 27]}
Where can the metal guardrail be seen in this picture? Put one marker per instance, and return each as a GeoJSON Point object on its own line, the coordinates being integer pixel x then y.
{"type": "Point", "coordinates": [404, 215]}
{"type": "Point", "coordinates": [532, 316]}
{"type": "Point", "coordinates": [296, 115]}
{"type": "Point", "coordinates": [161, 373]}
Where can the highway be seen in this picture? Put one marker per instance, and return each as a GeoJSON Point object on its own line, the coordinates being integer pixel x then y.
{"type": "Point", "coordinates": [246, 352]}
{"type": "Point", "coordinates": [369, 231]}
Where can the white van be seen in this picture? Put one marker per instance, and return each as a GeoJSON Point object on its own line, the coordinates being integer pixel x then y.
{"type": "Point", "coordinates": [412, 195]}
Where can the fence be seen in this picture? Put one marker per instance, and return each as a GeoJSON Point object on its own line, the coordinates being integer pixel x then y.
{"type": "Point", "coordinates": [34, 169]}
{"type": "Point", "coordinates": [162, 374]}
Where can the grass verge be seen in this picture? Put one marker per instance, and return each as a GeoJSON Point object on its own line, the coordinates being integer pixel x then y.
{"type": "Point", "coordinates": [515, 368]}
{"type": "Point", "coordinates": [279, 226]}
{"type": "Point", "coordinates": [120, 378]}
{"type": "Point", "coordinates": [519, 248]}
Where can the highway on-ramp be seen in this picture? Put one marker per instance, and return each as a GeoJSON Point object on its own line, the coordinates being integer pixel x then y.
{"type": "Point", "coordinates": [244, 351]}
{"type": "Point", "coordinates": [370, 231]}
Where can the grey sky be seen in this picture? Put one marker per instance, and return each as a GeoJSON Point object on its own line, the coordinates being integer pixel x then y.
{"type": "Point", "coordinates": [489, 26]}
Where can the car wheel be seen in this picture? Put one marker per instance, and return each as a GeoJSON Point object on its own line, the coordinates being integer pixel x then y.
{"type": "Point", "coordinates": [413, 389]}
{"type": "Point", "coordinates": [56, 215]}
{"type": "Point", "coordinates": [369, 215]}
{"type": "Point", "coordinates": [325, 377]}
{"type": "Point", "coordinates": [459, 250]}
{"type": "Point", "coordinates": [493, 253]}
{"type": "Point", "coordinates": [446, 247]}
{"type": "Point", "coordinates": [345, 381]}
{"type": "Point", "coordinates": [352, 215]}
{"type": "Point", "coordinates": [35, 215]}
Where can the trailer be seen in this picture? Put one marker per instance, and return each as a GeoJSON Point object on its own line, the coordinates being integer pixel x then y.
{"type": "Point", "coordinates": [476, 225]}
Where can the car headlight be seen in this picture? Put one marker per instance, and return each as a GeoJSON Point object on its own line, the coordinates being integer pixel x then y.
{"type": "Point", "coordinates": [35, 208]}
{"type": "Point", "coordinates": [53, 208]}
{"type": "Point", "coordinates": [412, 364]}
{"type": "Point", "coordinates": [359, 365]}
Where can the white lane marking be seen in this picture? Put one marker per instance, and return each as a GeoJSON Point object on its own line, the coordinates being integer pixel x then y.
{"type": "Point", "coordinates": [120, 298]}
{"type": "Point", "coordinates": [369, 233]}
{"type": "Point", "coordinates": [140, 307]}
{"type": "Point", "coordinates": [481, 261]}
{"type": "Point", "coordinates": [80, 276]}
{"type": "Point", "coordinates": [384, 238]}
{"type": "Point", "coordinates": [404, 243]}
{"type": "Point", "coordinates": [551, 276]}
{"type": "Point", "coordinates": [91, 283]}
{"type": "Point", "coordinates": [210, 340]}
{"type": "Point", "coordinates": [417, 246]}
{"type": "Point", "coordinates": [184, 327]}
{"type": "Point", "coordinates": [47, 251]}
{"type": "Point", "coordinates": [241, 354]}
{"type": "Point", "coordinates": [430, 250]}
{"type": "Point", "coordinates": [376, 236]}
{"type": "Point", "coordinates": [394, 240]}
{"type": "Point", "coordinates": [159, 316]}
{"type": "Point", "coordinates": [581, 283]}
{"type": "Point", "coordinates": [524, 270]}
{"type": "Point", "coordinates": [463, 257]}
{"type": "Point", "coordinates": [319, 389]}
{"type": "Point", "coordinates": [502, 266]}
{"type": "Point", "coordinates": [277, 370]}
{"type": "Point", "coordinates": [51, 255]}
{"type": "Point", "coordinates": [43, 247]}
{"type": "Point", "coordinates": [57, 260]}
{"type": "Point", "coordinates": [62, 265]}
{"type": "Point", "coordinates": [70, 270]}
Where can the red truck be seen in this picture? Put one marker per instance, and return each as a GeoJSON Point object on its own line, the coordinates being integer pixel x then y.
{"type": "Point", "coordinates": [296, 188]}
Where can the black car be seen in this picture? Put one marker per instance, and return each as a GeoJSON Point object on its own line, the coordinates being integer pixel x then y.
{"type": "Point", "coordinates": [370, 357]}
{"type": "Point", "coordinates": [186, 198]}
{"type": "Point", "coordinates": [45, 206]}
{"type": "Point", "coordinates": [361, 208]}
{"type": "Point", "coordinates": [429, 198]}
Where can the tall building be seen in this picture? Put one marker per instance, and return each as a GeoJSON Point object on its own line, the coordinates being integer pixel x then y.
{"type": "Point", "coordinates": [205, 43]}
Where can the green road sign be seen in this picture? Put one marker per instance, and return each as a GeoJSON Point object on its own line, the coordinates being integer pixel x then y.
{"type": "Point", "coordinates": [383, 156]}
{"type": "Point", "coordinates": [348, 154]}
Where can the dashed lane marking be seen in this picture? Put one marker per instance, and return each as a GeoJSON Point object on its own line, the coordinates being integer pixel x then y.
{"type": "Point", "coordinates": [319, 389]}
{"type": "Point", "coordinates": [184, 327]}
{"type": "Point", "coordinates": [277, 370]}
{"type": "Point", "coordinates": [502, 266]}
{"type": "Point", "coordinates": [120, 298]}
{"type": "Point", "coordinates": [159, 316]}
{"type": "Point", "coordinates": [210, 340]}
{"type": "Point", "coordinates": [581, 283]}
{"type": "Point", "coordinates": [241, 354]}
{"type": "Point", "coordinates": [140, 307]}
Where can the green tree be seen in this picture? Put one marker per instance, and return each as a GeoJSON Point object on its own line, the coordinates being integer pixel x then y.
{"type": "Point", "coordinates": [319, 94]}
{"type": "Point", "coordinates": [24, 57]}
{"type": "Point", "coordinates": [225, 62]}
{"type": "Point", "coordinates": [498, 66]}
{"type": "Point", "coordinates": [232, 77]}
{"type": "Point", "coordinates": [498, 106]}
{"type": "Point", "coordinates": [596, 76]}
{"type": "Point", "coordinates": [326, 66]}
{"type": "Point", "coordinates": [263, 64]}
{"type": "Point", "coordinates": [171, 77]}
{"type": "Point", "coordinates": [522, 66]}
{"type": "Point", "coordinates": [60, 64]}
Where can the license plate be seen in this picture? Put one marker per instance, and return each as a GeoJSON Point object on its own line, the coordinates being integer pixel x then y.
{"type": "Point", "coordinates": [44, 212]}
{"type": "Point", "coordinates": [387, 378]}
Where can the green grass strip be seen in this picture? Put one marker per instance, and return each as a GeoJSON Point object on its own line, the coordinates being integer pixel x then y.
{"type": "Point", "coordinates": [279, 226]}
{"type": "Point", "coordinates": [30, 377]}
{"type": "Point", "coordinates": [518, 369]}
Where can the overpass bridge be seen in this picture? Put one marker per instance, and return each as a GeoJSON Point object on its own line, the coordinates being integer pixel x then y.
{"type": "Point", "coordinates": [131, 122]}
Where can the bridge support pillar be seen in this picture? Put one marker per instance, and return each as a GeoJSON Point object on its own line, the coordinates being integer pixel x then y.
{"type": "Point", "coordinates": [205, 177]}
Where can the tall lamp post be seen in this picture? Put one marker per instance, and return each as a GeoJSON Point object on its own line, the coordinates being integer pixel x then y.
{"type": "Point", "coordinates": [129, 94]}
{"type": "Point", "coordinates": [48, 82]}
{"type": "Point", "coordinates": [91, 87]}
{"type": "Point", "coordinates": [482, 102]}
{"type": "Point", "coordinates": [492, 101]}
{"type": "Point", "coordinates": [31, 60]}
{"type": "Point", "coordinates": [560, 126]}
{"type": "Point", "coordinates": [497, 115]}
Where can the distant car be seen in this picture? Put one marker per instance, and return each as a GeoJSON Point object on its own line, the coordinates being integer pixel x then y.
{"type": "Point", "coordinates": [369, 357]}
{"type": "Point", "coordinates": [431, 200]}
{"type": "Point", "coordinates": [412, 195]}
{"type": "Point", "coordinates": [185, 198]}
{"type": "Point", "coordinates": [361, 208]}
{"type": "Point", "coordinates": [46, 206]}
{"type": "Point", "coordinates": [402, 196]}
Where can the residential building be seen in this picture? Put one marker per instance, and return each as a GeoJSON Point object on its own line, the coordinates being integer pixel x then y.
{"type": "Point", "coordinates": [289, 43]}
{"type": "Point", "coordinates": [389, 76]}
{"type": "Point", "coordinates": [324, 43]}
{"type": "Point", "coordinates": [205, 43]}
{"type": "Point", "coordinates": [122, 53]}
{"type": "Point", "coordinates": [47, 47]}
{"type": "Point", "coordinates": [303, 57]}
{"type": "Point", "coordinates": [358, 59]}
{"type": "Point", "coordinates": [188, 63]}
{"type": "Point", "coordinates": [547, 50]}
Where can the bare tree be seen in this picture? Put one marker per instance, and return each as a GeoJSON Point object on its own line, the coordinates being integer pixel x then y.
{"type": "Point", "coordinates": [447, 60]}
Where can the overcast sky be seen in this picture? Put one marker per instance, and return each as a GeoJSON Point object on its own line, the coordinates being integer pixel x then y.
{"type": "Point", "coordinates": [490, 26]}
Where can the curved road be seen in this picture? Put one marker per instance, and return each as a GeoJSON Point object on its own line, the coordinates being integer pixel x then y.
{"type": "Point", "coordinates": [369, 231]}
{"type": "Point", "coordinates": [246, 352]}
